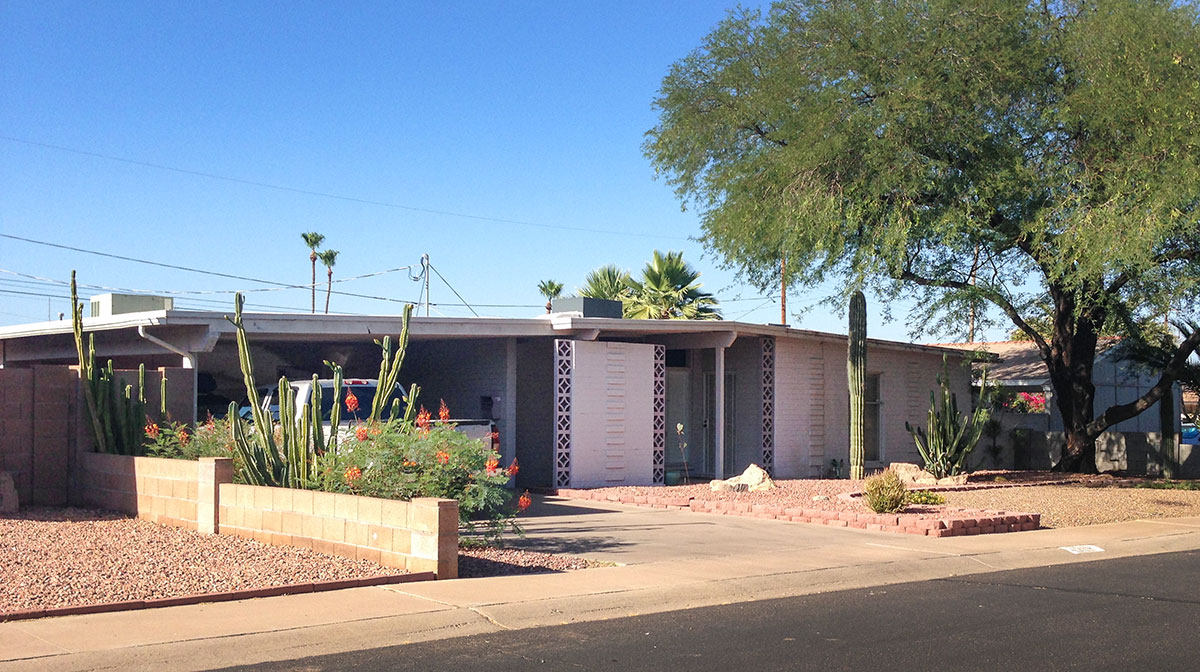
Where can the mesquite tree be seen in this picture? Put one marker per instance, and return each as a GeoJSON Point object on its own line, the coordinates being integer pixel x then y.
{"type": "Point", "coordinates": [959, 155]}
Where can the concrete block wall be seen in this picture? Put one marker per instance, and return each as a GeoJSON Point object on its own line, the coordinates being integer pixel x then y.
{"type": "Point", "coordinates": [38, 410]}
{"type": "Point", "coordinates": [420, 536]}
{"type": "Point", "coordinates": [155, 489]}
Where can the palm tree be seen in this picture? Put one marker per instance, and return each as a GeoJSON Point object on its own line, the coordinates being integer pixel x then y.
{"type": "Point", "coordinates": [329, 258]}
{"type": "Point", "coordinates": [606, 282]}
{"type": "Point", "coordinates": [551, 290]}
{"type": "Point", "coordinates": [668, 290]}
{"type": "Point", "coordinates": [313, 240]}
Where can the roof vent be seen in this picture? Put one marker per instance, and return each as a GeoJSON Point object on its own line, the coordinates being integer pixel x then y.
{"type": "Point", "coordinates": [104, 305]}
{"type": "Point", "coordinates": [587, 307]}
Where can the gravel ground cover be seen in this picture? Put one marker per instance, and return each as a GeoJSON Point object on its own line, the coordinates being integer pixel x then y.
{"type": "Point", "coordinates": [492, 561]}
{"type": "Point", "coordinates": [73, 557]}
{"type": "Point", "coordinates": [1074, 505]}
{"type": "Point", "coordinates": [52, 558]}
{"type": "Point", "coordinates": [1083, 500]}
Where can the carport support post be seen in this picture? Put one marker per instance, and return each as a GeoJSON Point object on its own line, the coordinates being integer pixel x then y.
{"type": "Point", "coordinates": [719, 413]}
{"type": "Point", "coordinates": [508, 431]}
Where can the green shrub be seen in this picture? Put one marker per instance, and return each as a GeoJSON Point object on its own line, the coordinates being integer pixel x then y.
{"type": "Point", "coordinates": [402, 461]}
{"type": "Point", "coordinates": [1168, 484]}
{"type": "Point", "coordinates": [925, 497]}
{"type": "Point", "coordinates": [885, 492]}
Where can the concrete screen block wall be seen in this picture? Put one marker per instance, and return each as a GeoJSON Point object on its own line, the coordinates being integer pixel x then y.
{"type": "Point", "coordinates": [612, 424]}
{"type": "Point", "coordinates": [420, 536]}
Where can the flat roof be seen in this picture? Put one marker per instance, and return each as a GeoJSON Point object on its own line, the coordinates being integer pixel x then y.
{"type": "Point", "coordinates": [301, 326]}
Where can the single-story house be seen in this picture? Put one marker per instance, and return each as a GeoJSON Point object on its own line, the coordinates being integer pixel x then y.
{"type": "Point", "coordinates": [580, 400]}
{"type": "Point", "coordinates": [1024, 426]}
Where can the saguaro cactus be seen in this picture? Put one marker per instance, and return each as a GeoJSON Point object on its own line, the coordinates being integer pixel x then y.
{"type": "Point", "coordinates": [856, 365]}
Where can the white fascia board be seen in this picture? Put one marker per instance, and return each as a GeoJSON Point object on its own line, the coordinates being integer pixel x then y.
{"type": "Point", "coordinates": [122, 321]}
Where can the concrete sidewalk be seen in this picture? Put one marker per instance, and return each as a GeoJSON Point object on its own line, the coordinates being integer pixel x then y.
{"type": "Point", "coordinates": [671, 560]}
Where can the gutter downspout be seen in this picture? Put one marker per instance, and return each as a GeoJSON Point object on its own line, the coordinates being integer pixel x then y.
{"type": "Point", "coordinates": [189, 360]}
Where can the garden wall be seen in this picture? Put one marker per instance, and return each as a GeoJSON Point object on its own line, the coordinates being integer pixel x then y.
{"type": "Point", "coordinates": [155, 489]}
{"type": "Point", "coordinates": [420, 536]}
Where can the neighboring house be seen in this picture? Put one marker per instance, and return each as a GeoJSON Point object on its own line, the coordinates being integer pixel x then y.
{"type": "Point", "coordinates": [1031, 415]}
{"type": "Point", "coordinates": [581, 400]}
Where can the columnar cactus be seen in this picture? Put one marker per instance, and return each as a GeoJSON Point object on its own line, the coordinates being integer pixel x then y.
{"type": "Point", "coordinates": [951, 436]}
{"type": "Point", "coordinates": [389, 372]}
{"type": "Point", "coordinates": [116, 416]}
{"type": "Point", "coordinates": [856, 365]}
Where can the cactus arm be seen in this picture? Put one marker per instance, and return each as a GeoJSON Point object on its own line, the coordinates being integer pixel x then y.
{"type": "Point", "coordinates": [335, 413]}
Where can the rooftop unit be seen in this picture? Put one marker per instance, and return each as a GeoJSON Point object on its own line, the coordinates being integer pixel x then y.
{"type": "Point", "coordinates": [104, 305]}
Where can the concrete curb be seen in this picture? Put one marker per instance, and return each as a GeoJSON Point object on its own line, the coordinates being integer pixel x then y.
{"type": "Point", "coordinates": [229, 596]}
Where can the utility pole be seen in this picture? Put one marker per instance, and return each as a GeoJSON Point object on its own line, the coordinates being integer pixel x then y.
{"type": "Point", "coordinates": [425, 272]}
{"type": "Point", "coordinates": [783, 289]}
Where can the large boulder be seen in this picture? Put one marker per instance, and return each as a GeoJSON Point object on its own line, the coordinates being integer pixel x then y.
{"type": "Point", "coordinates": [8, 494]}
{"type": "Point", "coordinates": [753, 479]}
{"type": "Point", "coordinates": [911, 474]}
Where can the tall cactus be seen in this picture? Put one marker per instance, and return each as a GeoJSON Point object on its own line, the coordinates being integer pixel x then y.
{"type": "Point", "coordinates": [116, 416]}
{"type": "Point", "coordinates": [950, 438]}
{"type": "Point", "coordinates": [288, 462]}
{"type": "Point", "coordinates": [856, 365]}
{"type": "Point", "coordinates": [389, 371]}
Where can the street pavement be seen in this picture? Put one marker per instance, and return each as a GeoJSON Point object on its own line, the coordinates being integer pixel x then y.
{"type": "Point", "coordinates": [667, 561]}
{"type": "Point", "coordinates": [1135, 613]}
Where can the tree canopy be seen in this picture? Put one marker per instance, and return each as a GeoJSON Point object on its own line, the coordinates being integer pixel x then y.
{"type": "Point", "coordinates": [962, 154]}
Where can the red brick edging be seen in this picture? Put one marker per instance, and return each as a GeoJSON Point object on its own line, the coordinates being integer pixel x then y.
{"type": "Point", "coordinates": [293, 589]}
{"type": "Point", "coordinates": [947, 524]}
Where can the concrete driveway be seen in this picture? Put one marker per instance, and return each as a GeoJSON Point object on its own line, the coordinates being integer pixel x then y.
{"type": "Point", "coordinates": [631, 535]}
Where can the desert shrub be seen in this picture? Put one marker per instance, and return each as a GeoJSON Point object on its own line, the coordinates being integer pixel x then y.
{"type": "Point", "coordinates": [403, 461]}
{"type": "Point", "coordinates": [925, 497]}
{"type": "Point", "coordinates": [1168, 484]}
{"type": "Point", "coordinates": [885, 492]}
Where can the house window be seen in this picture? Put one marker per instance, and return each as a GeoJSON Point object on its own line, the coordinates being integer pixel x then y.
{"type": "Point", "coordinates": [872, 419]}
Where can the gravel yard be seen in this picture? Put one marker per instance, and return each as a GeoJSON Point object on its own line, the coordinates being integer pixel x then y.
{"type": "Point", "coordinates": [1074, 505]}
{"type": "Point", "coordinates": [73, 557]}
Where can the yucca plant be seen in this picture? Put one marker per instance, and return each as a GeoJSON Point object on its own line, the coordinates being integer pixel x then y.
{"type": "Point", "coordinates": [951, 436]}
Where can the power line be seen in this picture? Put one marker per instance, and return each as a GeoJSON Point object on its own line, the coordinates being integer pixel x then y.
{"type": "Point", "coordinates": [460, 298]}
{"type": "Point", "coordinates": [340, 197]}
{"type": "Point", "coordinates": [189, 270]}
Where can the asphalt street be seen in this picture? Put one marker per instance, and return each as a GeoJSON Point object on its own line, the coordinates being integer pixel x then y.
{"type": "Point", "coordinates": [1139, 613]}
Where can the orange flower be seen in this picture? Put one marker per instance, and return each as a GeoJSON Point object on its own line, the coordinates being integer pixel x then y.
{"type": "Point", "coordinates": [360, 433]}
{"type": "Point", "coordinates": [151, 429]}
{"type": "Point", "coordinates": [183, 437]}
{"type": "Point", "coordinates": [351, 401]}
{"type": "Point", "coordinates": [513, 468]}
{"type": "Point", "coordinates": [442, 457]}
{"type": "Point", "coordinates": [376, 430]}
{"type": "Point", "coordinates": [524, 501]}
{"type": "Point", "coordinates": [443, 411]}
{"type": "Point", "coordinates": [352, 474]}
{"type": "Point", "coordinates": [423, 420]}
{"type": "Point", "coordinates": [492, 465]}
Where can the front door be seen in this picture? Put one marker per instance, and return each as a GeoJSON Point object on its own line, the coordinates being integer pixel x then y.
{"type": "Point", "coordinates": [710, 425]}
{"type": "Point", "coordinates": [679, 404]}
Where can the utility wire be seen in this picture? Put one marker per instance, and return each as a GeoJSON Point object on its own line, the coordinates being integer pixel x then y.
{"type": "Point", "coordinates": [189, 270]}
{"type": "Point", "coordinates": [322, 194]}
{"type": "Point", "coordinates": [460, 298]}
{"type": "Point", "coordinates": [200, 291]}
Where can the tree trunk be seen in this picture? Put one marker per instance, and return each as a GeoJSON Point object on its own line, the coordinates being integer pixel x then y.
{"type": "Point", "coordinates": [313, 258]}
{"type": "Point", "coordinates": [328, 290]}
{"type": "Point", "coordinates": [1072, 358]}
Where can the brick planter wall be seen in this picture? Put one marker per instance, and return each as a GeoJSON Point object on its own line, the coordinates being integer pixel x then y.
{"type": "Point", "coordinates": [160, 490]}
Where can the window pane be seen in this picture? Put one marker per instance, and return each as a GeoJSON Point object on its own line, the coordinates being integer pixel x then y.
{"type": "Point", "coordinates": [871, 419]}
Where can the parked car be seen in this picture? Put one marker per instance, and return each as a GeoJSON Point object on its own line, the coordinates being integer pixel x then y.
{"type": "Point", "coordinates": [1190, 433]}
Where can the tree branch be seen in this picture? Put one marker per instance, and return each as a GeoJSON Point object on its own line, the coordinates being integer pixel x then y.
{"type": "Point", "coordinates": [1184, 254]}
{"type": "Point", "coordinates": [991, 295]}
{"type": "Point", "coordinates": [1121, 412]}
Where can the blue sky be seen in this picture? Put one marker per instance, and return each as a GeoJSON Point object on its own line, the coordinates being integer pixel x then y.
{"type": "Point", "coordinates": [522, 111]}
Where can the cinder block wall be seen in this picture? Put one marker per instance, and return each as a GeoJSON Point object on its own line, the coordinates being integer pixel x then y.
{"type": "Point", "coordinates": [37, 431]}
{"type": "Point", "coordinates": [420, 536]}
{"type": "Point", "coordinates": [156, 489]}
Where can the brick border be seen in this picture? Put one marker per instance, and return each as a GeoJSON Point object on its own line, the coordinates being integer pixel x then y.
{"type": "Point", "coordinates": [947, 524]}
{"type": "Point", "coordinates": [229, 596]}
